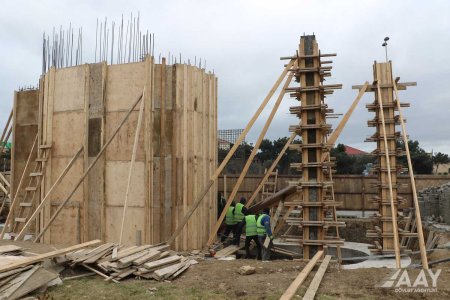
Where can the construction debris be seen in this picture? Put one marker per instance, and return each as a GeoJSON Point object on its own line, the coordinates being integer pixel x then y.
{"type": "Point", "coordinates": [247, 270]}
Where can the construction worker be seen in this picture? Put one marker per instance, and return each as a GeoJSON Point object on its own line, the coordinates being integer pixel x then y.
{"type": "Point", "coordinates": [230, 223]}
{"type": "Point", "coordinates": [264, 230]}
{"type": "Point", "coordinates": [251, 233]}
{"type": "Point", "coordinates": [240, 211]}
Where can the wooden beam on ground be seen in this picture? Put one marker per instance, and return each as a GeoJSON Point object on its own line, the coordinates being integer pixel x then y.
{"type": "Point", "coordinates": [391, 194]}
{"type": "Point", "coordinates": [34, 259]}
{"type": "Point", "coordinates": [15, 199]}
{"type": "Point", "coordinates": [80, 181]}
{"type": "Point", "coordinates": [47, 196]}
{"type": "Point", "coordinates": [229, 155]}
{"type": "Point", "coordinates": [314, 286]}
{"type": "Point", "coordinates": [270, 170]}
{"type": "Point", "coordinates": [290, 292]}
{"type": "Point", "coordinates": [423, 253]}
{"type": "Point", "coordinates": [335, 134]}
{"type": "Point", "coordinates": [130, 172]}
{"type": "Point", "coordinates": [212, 235]}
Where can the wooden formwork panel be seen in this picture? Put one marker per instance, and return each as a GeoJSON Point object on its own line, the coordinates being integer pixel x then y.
{"type": "Point", "coordinates": [116, 173]}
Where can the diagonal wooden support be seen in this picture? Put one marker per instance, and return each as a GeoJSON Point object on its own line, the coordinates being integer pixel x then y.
{"type": "Point", "coordinates": [130, 172]}
{"type": "Point", "coordinates": [212, 236]}
{"type": "Point", "coordinates": [46, 198]}
{"type": "Point", "coordinates": [6, 127]}
{"type": "Point", "coordinates": [80, 181]}
{"type": "Point", "coordinates": [335, 134]}
{"type": "Point", "coordinates": [423, 253]}
{"type": "Point", "coordinates": [15, 200]}
{"type": "Point", "coordinates": [270, 170]}
{"type": "Point", "coordinates": [388, 164]}
{"type": "Point", "coordinates": [219, 170]}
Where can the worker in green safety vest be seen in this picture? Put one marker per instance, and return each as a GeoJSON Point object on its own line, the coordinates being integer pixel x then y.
{"type": "Point", "coordinates": [240, 211]}
{"type": "Point", "coordinates": [264, 230]}
{"type": "Point", "coordinates": [251, 233]}
{"type": "Point", "coordinates": [230, 223]}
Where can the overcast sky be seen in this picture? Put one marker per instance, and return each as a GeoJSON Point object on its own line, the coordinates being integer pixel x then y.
{"type": "Point", "coordinates": [242, 42]}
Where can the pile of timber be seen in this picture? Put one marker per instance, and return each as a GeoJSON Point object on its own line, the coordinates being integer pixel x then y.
{"type": "Point", "coordinates": [21, 275]}
{"type": "Point", "coordinates": [115, 263]}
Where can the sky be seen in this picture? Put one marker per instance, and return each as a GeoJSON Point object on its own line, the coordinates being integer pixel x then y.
{"type": "Point", "coordinates": [242, 42]}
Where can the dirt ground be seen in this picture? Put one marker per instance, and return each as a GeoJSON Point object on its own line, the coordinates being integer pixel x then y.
{"type": "Point", "coordinates": [212, 279]}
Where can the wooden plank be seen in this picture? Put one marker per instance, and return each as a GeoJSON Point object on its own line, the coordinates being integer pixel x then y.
{"type": "Point", "coordinates": [165, 272]}
{"type": "Point", "coordinates": [423, 253]}
{"type": "Point", "coordinates": [58, 210]}
{"type": "Point", "coordinates": [219, 170]}
{"type": "Point", "coordinates": [133, 159]}
{"type": "Point", "coordinates": [290, 292]}
{"type": "Point", "coordinates": [34, 259]}
{"type": "Point", "coordinates": [9, 248]}
{"type": "Point", "coordinates": [212, 236]}
{"type": "Point", "coordinates": [47, 196]}
{"type": "Point", "coordinates": [314, 286]}
{"type": "Point", "coordinates": [388, 164]}
{"type": "Point", "coordinates": [34, 282]}
{"type": "Point", "coordinates": [151, 254]}
{"type": "Point", "coordinates": [161, 262]}
{"type": "Point", "coordinates": [335, 134]}
{"type": "Point", "coordinates": [270, 170]}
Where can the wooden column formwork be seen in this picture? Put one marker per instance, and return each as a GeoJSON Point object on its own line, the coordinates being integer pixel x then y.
{"type": "Point", "coordinates": [387, 152]}
{"type": "Point", "coordinates": [313, 129]}
{"type": "Point", "coordinates": [176, 153]}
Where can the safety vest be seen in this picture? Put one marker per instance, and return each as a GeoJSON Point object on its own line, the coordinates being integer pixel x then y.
{"type": "Point", "coordinates": [238, 215]}
{"type": "Point", "coordinates": [229, 219]}
{"type": "Point", "coordinates": [261, 230]}
{"type": "Point", "coordinates": [250, 225]}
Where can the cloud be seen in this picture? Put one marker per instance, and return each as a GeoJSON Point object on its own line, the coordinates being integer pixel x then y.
{"type": "Point", "coordinates": [242, 42]}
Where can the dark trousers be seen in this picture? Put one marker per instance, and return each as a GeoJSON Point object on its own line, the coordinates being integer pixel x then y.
{"type": "Point", "coordinates": [248, 239]}
{"type": "Point", "coordinates": [228, 230]}
{"type": "Point", "coordinates": [265, 251]}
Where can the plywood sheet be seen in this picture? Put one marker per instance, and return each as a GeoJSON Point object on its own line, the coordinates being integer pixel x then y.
{"type": "Point", "coordinates": [124, 85]}
{"type": "Point", "coordinates": [134, 221]}
{"type": "Point", "coordinates": [68, 133]}
{"type": "Point", "coordinates": [121, 147]}
{"type": "Point", "coordinates": [69, 89]}
{"type": "Point", "coordinates": [116, 176]}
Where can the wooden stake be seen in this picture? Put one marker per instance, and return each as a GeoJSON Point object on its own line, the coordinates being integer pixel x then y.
{"type": "Point", "coordinates": [60, 207]}
{"type": "Point", "coordinates": [290, 292]}
{"type": "Point", "coordinates": [47, 196]}
{"type": "Point", "coordinates": [423, 252]}
{"type": "Point", "coordinates": [212, 236]}
{"type": "Point", "coordinates": [15, 200]}
{"type": "Point", "coordinates": [388, 165]}
{"type": "Point", "coordinates": [229, 155]}
{"type": "Point", "coordinates": [272, 167]}
{"type": "Point", "coordinates": [130, 172]}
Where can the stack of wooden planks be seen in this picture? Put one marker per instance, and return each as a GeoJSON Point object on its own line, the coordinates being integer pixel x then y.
{"type": "Point", "coordinates": [21, 275]}
{"type": "Point", "coordinates": [115, 263]}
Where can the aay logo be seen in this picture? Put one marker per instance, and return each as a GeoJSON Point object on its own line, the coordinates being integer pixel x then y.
{"type": "Point", "coordinates": [403, 283]}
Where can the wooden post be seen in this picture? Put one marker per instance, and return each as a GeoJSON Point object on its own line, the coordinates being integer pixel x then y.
{"type": "Point", "coordinates": [274, 164]}
{"type": "Point", "coordinates": [47, 196]}
{"type": "Point", "coordinates": [388, 165]}
{"type": "Point", "coordinates": [229, 155]}
{"type": "Point", "coordinates": [212, 236]}
{"type": "Point", "coordinates": [423, 252]}
{"type": "Point", "coordinates": [290, 292]}
{"type": "Point", "coordinates": [15, 200]}
{"type": "Point", "coordinates": [60, 207]}
{"type": "Point", "coordinates": [130, 172]}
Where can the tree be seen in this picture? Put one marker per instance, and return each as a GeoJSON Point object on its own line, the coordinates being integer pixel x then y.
{"type": "Point", "coordinates": [440, 158]}
{"type": "Point", "coordinates": [421, 160]}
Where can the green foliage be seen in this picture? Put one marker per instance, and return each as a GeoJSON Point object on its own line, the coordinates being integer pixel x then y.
{"type": "Point", "coordinates": [350, 164]}
{"type": "Point", "coordinates": [421, 160]}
